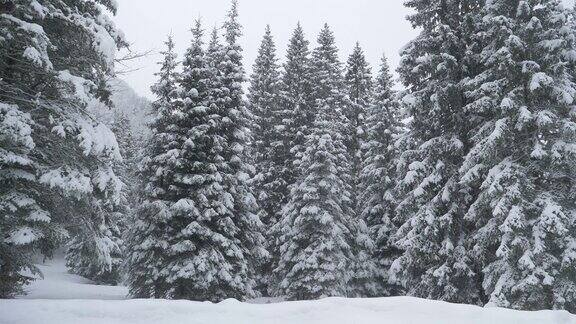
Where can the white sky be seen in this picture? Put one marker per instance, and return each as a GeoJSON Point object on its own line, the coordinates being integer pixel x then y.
{"type": "Point", "coordinates": [379, 25]}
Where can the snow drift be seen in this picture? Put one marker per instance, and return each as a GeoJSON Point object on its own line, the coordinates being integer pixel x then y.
{"type": "Point", "coordinates": [396, 310]}
{"type": "Point", "coordinates": [62, 298]}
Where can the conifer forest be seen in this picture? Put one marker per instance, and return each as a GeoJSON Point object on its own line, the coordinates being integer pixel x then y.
{"type": "Point", "coordinates": [308, 174]}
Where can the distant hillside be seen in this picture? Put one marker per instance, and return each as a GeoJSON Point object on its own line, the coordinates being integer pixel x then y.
{"type": "Point", "coordinates": [134, 106]}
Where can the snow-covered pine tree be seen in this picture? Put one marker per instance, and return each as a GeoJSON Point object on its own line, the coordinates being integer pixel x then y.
{"type": "Point", "coordinates": [317, 239]}
{"type": "Point", "coordinates": [83, 255]}
{"type": "Point", "coordinates": [220, 243]}
{"type": "Point", "coordinates": [213, 58]}
{"type": "Point", "coordinates": [436, 263]}
{"type": "Point", "coordinates": [358, 87]}
{"type": "Point", "coordinates": [378, 176]}
{"type": "Point", "coordinates": [522, 162]}
{"type": "Point", "coordinates": [208, 258]}
{"type": "Point", "coordinates": [21, 214]}
{"type": "Point", "coordinates": [56, 159]}
{"type": "Point", "coordinates": [295, 120]}
{"type": "Point", "coordinates": [267, 129]}
{"type": "Point", "coordinates": [82, 250]}
{"type": "Point", "coordinates": [96, 251]}
{"type": "Point", "coordinates": [358, 80]}
{"type": "Point", "coordinates": [196, 246]}
{"type": "Point", "coordinates": [128, 142]}
{"type": "Point", "coordinates": [271, 143]}
{"type": "Point", "coordinates": [320, 238]}
{"type": "Point", "coordinates": [297, 101]}
{"type": "Point", "coordinates": [147, 241]}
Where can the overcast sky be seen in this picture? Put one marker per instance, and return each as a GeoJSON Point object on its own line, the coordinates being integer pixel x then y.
{"type": "Point", "coordinates": [379, 25]}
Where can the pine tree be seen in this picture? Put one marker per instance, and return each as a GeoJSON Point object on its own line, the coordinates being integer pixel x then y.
{"type": "Point", "coordinates": [317, 237]}
{"type": "Point", "coordinates": [320, 239]}
{"type": "Point", "coordinates": [191, 255]}
{"type": "Point", "coordinates": [436, 262]}
{"type": "Point", "coordinates": [358, 87]}
{"type": "Point", "coordinates": [54, 60]}
{"type": "Point", "coordinates": [214, 239]}
{"type": "Point", "coordinates": [294, 120]}
{"type": "Point", "coordinates": [128, 142]}
{"type": "Point", "coordinates": [358, 79]}
{"type": "Point", "coordinates": [296, 97]}
{"type": "Point", "coordinates": [377, 200]}
{"type": "Point", "coordinates": [96, 252]}
{"type": "Point", "coordinates": [213, 58]}
{"type": "Point", "coordinates": [271, 148]}
{"type": "Point", "coordinates": [148, 244]}
{"type": "Point", "coordinates": [522, 161]}
{"type": "Point", "coordinates": [23, 221]}
{"type": "Point", "coordinates": [264, 105]}
{"type": "Point", "coordinates": [237, 172]}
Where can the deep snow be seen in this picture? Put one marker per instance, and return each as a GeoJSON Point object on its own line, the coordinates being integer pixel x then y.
{"type": "Point", "coordinates": [59, 284]}
{"type": "Point", "coordinates": [61, 298]}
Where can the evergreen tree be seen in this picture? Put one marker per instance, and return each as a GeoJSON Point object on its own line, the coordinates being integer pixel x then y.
{"type": "Point", "coordinates": [191, 230]}
{"type": "Point", "coordinates": [358, 79]}
{"type": "Point", "coordinates": [148, 246]}
{"type": "Point", "coordinates": [213, 58]}
{"type": "Point", "coordinates": [96, 251]}
{"type": "Point", "coordinates": [321, 240]}
{"type": "Point", "coordinates": [214, 235]}
{"type": "Point", "coordinates": [55, 158]}
{"type": "Point", "coordinates": [270, 141]}
{"type": "Point", "coordinates": [24, 222]}
{"type": "Point", "coordinates": [237, 171]}
{"type": "Point", "coordinates": [522, 161]}
{"type": "Point", "coordinates": [378, 176]}
{"type": "Point", "coordinates": [296, 95]}
{"type": "Point", "coordinates": [128, 142]}
{"type": "Point", "coordinates": [317, 237]}
{"type": "Point", "coordinates": [436, 262]}
{"type": "Point", "coordinates": [294, 121]}
{"type": "Point", "coordinates": [85, 256]}
{"type": "Point", "coordinates": [264, 104]}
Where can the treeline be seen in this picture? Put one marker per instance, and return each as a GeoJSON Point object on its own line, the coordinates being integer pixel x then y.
{"type": "Point", "coordinates": [327, 182]}
{"type": "Point", "coordinates": [263, 197]}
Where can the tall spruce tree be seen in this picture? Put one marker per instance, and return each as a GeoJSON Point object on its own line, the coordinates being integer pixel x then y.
{"type": "Point", "coordinates": [296, 95]}
{"type": "Point", "coordinates": [522, 161]}
{"type": "Point", "coordinates": [268, 131]}
{"type": "Point", "coordinates": [214, 54]}
{"type": "Point", "coordinates": [148, 241]}
{"type": "Point", "coordinates": [295, 119]}
{"type": "Point", "coordinates": [377, 201]}
{"type": "Point", "coordinates": [230, 224]}
{"type": "Point", "coordinates": [358, 87]}
{"type": "Point", "coordinates": [358, 80]}
{"type": "Point", "coordinates": [436, 262]}
{"type": "Point", "coordinates": [56, 160]}
{"type": "Point", "coordinates": [192, 233]}
{"type": "Point", "coordinates": [321, 239]}
{"type": "Point", "coordinates": [128, 142]}
{"type": "Point", "coordinates": [271, 145]}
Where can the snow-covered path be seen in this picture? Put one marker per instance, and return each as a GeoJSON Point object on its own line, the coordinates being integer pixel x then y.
{"type": "Point", "coordinates": [59, 284]}
{"type": "Point", "coordinates": [62, 298]}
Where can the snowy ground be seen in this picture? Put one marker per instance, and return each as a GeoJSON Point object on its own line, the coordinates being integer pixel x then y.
{"type": "Point", "coordinates": [58, 284]}
{"type": "Point", "coordinates": [62, 298]}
